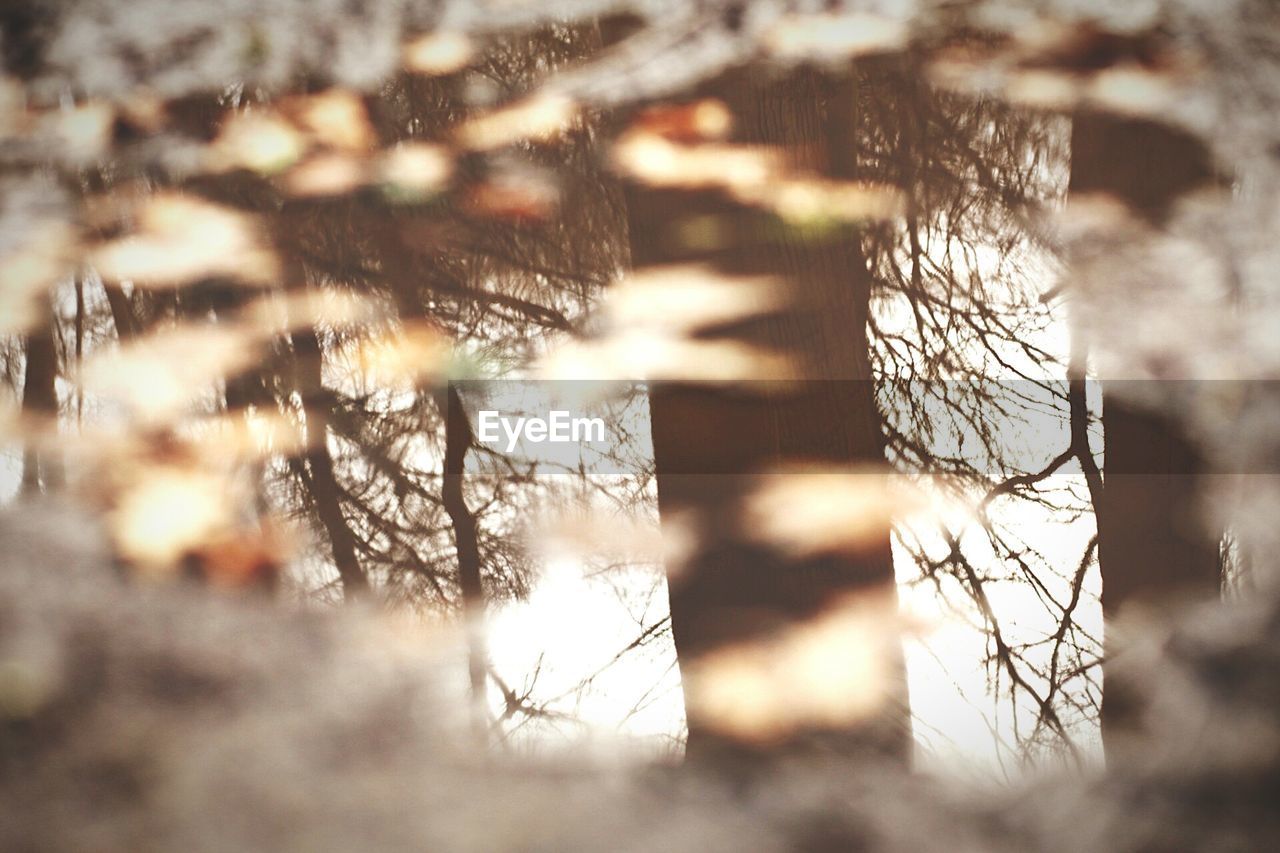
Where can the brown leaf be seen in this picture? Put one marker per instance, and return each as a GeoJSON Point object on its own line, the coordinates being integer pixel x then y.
{"type": "Point", "coordinates": [830, 672]}
{"type": "Point", "coordinates": [659, 162]}
{"type": "Point", "coordinates": [336, 118]}
{"type": "Point", "coordinates": [703, 120]}
{"type": "Point", "coordinates": [168, 511]}
{"type": "Point", "coordinates": [685, 298]}
{"type": "Point", "coordinates": [413, 171]}
{"type": "Point", "coordinates": [159, 375]}
{"type": "Point", "coordinates": [328, 174]}
{"type": "Point", "coordinates": [835, 36]}
{"type": "Point", "coordinates": [438, 53]}
{"type": "Point", "coordinates": [29, 269]}
{"type": "Point", "coordinates": [541, 117]}
{"type": "Point", "coordinates": [259, 140]}
{"type": "Point", "coordinates": [181, 239]}
{"type": "Point", "coordinates": [817, 512]}
{"type": "Point", "coordinates": [514, 196]}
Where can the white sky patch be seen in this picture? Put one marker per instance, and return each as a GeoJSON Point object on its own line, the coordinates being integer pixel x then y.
{"type": "Point", "coordinates": [564, 641]}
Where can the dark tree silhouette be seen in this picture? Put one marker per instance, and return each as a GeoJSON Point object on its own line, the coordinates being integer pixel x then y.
{"type": "Point", "coordinates": [708, 442]}
{"type": "Point", "coordinates": [1154, 547]}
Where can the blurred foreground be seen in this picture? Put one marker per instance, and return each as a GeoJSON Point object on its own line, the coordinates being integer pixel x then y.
{"type": "Point", "coordinates": [172, 718]}
{"type": "Point", "coordinates": [941, 347]}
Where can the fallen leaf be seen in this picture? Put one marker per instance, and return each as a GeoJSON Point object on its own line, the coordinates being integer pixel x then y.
{"type": "Point", "coordinates": [405, 356]}
{"type": "Point", "coordinates": [438, 53]}
{"type": "Point", "coordinates": [166, 512]}
{"type": "Point", "coordinates": [31, 268]}
{"type": "Point", "coordinates": [336, 118]}
{"type": "Point", "coordinates": [659, 162]}
{"type": "Point", "coordinates": [159, 375]}
{"type": "Point", "coordinates": [806, 513]}
{"type": "Point", "coordinates": [834, 36]}
{"type": "Point", "coordinates": [518, 196]}
{"type": "Point", "coordinates": [685, 298]}
{"type": "Point", "coordinates": [538, 118]}
{"type": "Point", "coordinates": [831, 672]}
{"type": "Point", "coordinates": [181, 239]}
{"type": "Point", "coordinates": [328, 174]}
{"type": "Point", "coordinates": [414, 171]}
{"type": "Point", "coordinates": [707, 119]}
{"type": "Point", "coordinates": [258, 140]}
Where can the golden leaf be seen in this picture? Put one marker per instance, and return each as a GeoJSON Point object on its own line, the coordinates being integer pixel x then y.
{"type": "Point", "coordinates": [438, 53]}
{"type": "Point", "coordinates": [659, 162]}
{"type": "Point", "coordinates": [823, 511]}
{"type": "Point", "coordinates": [168, 511]}
{"type": "Point", "coordinates": [335, 118]}
{"type": "Point", "coordinates": [329, 174]}
{"type": "Point", "coordinates": [695, 122]}
{"type": "Point", "coordinates": [84, 131]}
{"type": "Point", "coordinates": [830, 672]}
{"type": "Point", "coordinates": [160, 374]}
{"type": "Point", "coordinates": [182, 239]}
{"type": "Point", "coordinates": [260, 141]}
{"type": "Point", "coordinates": [402, 357]}
{"type": "Point", "coordinates": [835, 36]}
{"type": "Point", "coordinates": [650, 354]}
{"type": "Point", "coordinates": [415, 170]}
{"type": "Point", "coordinates": [686, 298]}
{"type": "Point", "coordinates": [30, 269]}
{"type": "Point", "coordinates": [539, 118]}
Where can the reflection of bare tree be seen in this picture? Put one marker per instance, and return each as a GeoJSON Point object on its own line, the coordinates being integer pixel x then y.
{"type": "Point", "coordinates": [458, 440]}
{"type": "Point", "coordinates": [1153, 545]}
{"type": "Point", "coordinates": [492, 285]}
{"type": "Point", "coordinates": [530, 234]}
{"type": "Point", "coordinates": [318, 478]}
{"type": "Point", "coordinates": [709, 441]}
{"type": "Point", "coordinates": [41, 469]}
{"type": "Point", "coordinates": [500, 278]}
{"type": "Point", "coordinates": [966, 344]}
